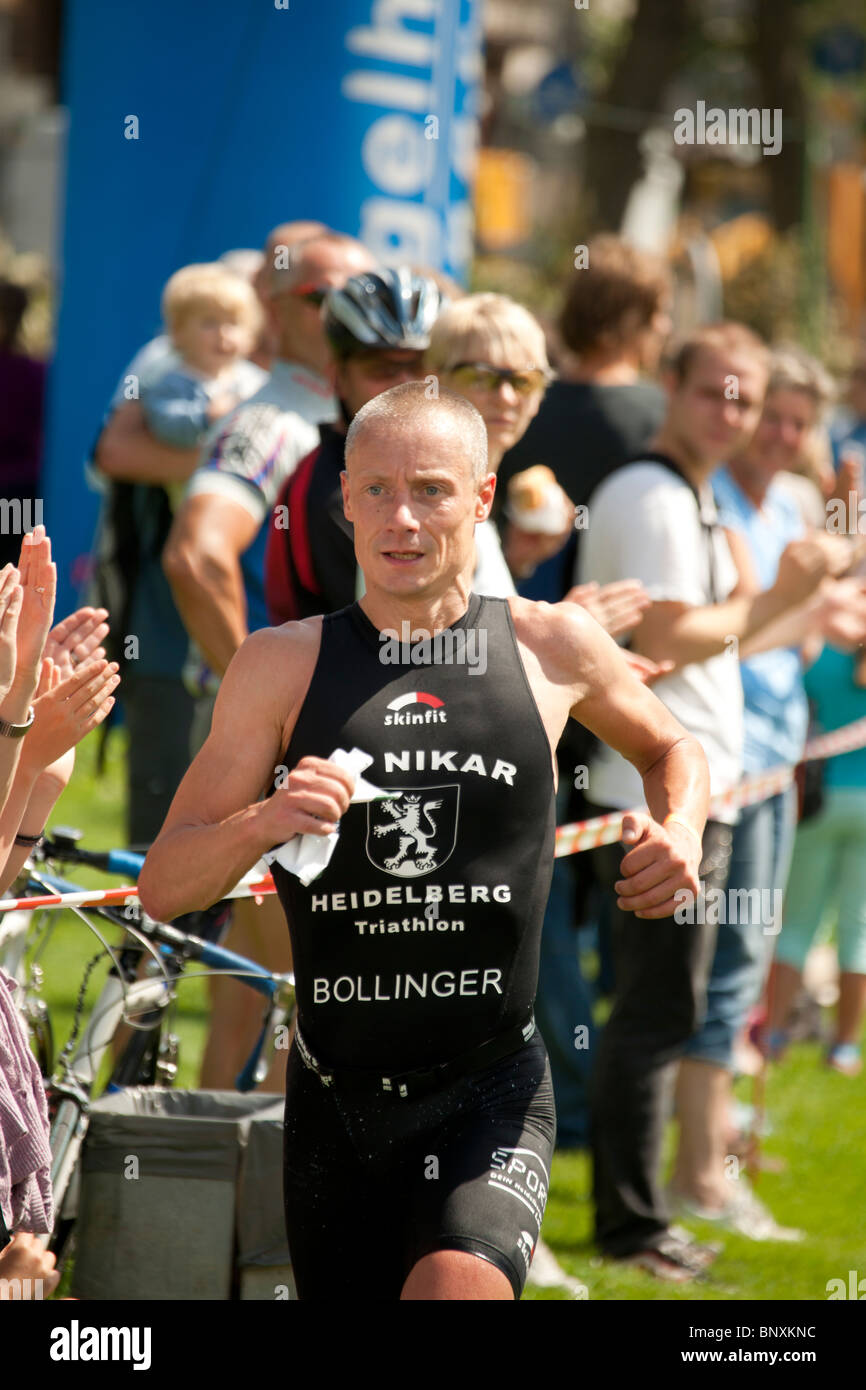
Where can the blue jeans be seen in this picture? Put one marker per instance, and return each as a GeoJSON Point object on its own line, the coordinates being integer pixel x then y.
{"type": "Point", "coordinates": [760, 858]}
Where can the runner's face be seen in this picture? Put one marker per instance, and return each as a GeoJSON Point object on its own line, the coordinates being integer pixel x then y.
{"type": "Point", "coordinates": [410, 495]}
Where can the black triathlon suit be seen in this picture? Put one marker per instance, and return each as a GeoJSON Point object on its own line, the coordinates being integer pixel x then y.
{"type": "Point", "coordinates": [418, 944]}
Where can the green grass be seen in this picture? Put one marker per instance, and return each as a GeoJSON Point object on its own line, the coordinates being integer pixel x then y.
{"type": "Point", "coordinates": [818, 1122]}
{"type": "Point", "coordinates": [819, 1131]}
{"type": "Point", "coordinates": [96, 805]}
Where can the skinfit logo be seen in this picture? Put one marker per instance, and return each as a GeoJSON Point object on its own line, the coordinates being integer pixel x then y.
{"type": "Point", "coordinates": [416, 708]}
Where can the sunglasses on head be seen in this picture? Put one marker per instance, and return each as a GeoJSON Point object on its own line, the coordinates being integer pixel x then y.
{"type": "Point", "coordinates": [311, 294]}
{"type": "Point", "coordinates": [487, 378]}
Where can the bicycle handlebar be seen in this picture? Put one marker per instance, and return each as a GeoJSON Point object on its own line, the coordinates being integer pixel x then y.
{"type": "Point", "coordinates": [61, 847]}
{"type": "Point", "coordinates": [124, 862]}
{"type": "Point", "coordinates": [186, 944]}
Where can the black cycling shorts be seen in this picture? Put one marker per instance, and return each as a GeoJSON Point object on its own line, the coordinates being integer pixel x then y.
{"type": "Point", "coordinates": [374, 1183]}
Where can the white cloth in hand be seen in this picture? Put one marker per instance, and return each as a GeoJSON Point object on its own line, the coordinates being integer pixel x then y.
{"type": "Point", "coordinates": [308, 855]}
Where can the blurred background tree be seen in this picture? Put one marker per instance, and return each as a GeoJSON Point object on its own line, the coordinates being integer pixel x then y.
{"type": "Point", "coordinates": [577, 137]}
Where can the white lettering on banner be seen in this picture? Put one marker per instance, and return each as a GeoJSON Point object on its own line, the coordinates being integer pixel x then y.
{"type": "Point", "coordinates": [395, 44]}
{"type": "Point", "coordinates": [385, 988]}
{"type": "Point", "coordinates": [400, 894]}
{"type": "Point", "coordinates": [396, 155]}
{"type": "Point", "coordinates": [400, 163]}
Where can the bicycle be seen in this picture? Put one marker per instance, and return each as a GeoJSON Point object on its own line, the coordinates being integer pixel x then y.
{"type": "Point", "coordinates": [150, 1056]}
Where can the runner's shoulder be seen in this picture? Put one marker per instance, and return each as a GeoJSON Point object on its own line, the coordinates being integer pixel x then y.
{"type": "Point", "coordinates": [278, 659]}
{"type": "Point", "coordinates": [551, 629]}
{"type": "Point", "coordinates": [284, 642]}
{"type": "Point", "coordinates": [564, 639]}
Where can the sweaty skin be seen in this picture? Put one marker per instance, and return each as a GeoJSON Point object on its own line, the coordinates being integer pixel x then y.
{"type": "Point", "coordinates": [217, 829]}
{"type": "Point", "coordinates": [414, 502]}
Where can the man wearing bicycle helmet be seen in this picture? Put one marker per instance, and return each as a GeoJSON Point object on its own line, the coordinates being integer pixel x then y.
{"type": "Point", "coordinates": [419, 1111]}
{"type": "Point", "coordinates": [377, 327]}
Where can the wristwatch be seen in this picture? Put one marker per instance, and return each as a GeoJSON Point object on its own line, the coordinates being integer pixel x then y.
{"type": "Point", "coordinates": [8, 730]}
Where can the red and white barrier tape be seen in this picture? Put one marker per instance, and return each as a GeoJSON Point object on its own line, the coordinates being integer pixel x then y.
{"type": "Point", "coordinates": [606, 830]}
{"type": "Point", "coordinates": [120, 897]}
{"type": "Point", "coordinates": [570, 839]}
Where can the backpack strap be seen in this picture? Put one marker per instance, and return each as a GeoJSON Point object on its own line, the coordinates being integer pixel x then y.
{"type": "Point", "coordinates": [288, 552]}
{"type": "Point", "coordinates": [706, 526]}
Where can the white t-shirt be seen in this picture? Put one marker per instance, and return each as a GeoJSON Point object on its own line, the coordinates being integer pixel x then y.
{"type": "Point", "coordinates": [644, 524]}
{"type": "Point", "coordinates": [250, 452]}
{"type": "Point", "coordinates": [492, 576]}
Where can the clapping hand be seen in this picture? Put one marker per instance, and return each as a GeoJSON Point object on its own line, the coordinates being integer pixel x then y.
{"type": "Point", "coordinates": [65, 710]}
{"type": "Point", "coordinates": [39, 586]}
{"type": "Point", "coordinates": [11, 596]}
{"type": "Point", "coordinates": [618, 607]}
{"type": "Point", "coordinates": [77, 639]}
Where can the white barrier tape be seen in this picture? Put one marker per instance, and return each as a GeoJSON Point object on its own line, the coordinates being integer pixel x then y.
{"type": "Point", "coordinates": [606, 830]}
{"type": "Point", "coordinates": [570, 839]}
{"type": "Point", "coordinates": [114, 897]}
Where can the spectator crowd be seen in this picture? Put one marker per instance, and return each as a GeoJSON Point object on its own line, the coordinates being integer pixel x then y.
{"type": "Point", "coordinates": [680, 490]}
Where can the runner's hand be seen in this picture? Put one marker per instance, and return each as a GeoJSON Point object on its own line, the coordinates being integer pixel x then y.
{"type": "Point", "coordinates": [661, 861]}
{"type": "Point", "coordinates": [646, 670]}
{"type": "Point", "coordinates": [316, 795]}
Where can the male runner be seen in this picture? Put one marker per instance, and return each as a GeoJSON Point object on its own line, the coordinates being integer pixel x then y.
{"type": "Point", "coordinates": [419, 1114]}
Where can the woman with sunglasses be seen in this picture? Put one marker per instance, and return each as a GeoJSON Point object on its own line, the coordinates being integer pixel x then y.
{"type": "Point", "coordinates": [492, 351]}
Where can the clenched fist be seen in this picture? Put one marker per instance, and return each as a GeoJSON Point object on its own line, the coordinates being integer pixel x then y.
{"type": "Point", "coordinates": [662, 860]}
{"type": "Point", "coordinates": [316, 796]}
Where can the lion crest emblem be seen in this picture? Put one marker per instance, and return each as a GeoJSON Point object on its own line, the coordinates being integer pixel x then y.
{"type": "Point", "coordinates": [415, 832]}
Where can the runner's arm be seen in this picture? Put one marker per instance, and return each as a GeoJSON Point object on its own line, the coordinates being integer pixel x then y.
{"type": "Point", "coordinates": [661, 860]}
{"type": "Point", "coordinates": [620, 710]}
{"type": "Point", "coordinates": [216, 828]}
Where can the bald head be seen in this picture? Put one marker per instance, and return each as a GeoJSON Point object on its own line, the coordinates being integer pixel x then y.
{"type": "Point", "coordinates": [290, 233]}
{"type": "Point", "coordinates": [324, 257]}
{"type": "Point", "coordinates": [277, 255]}
{"type": "Point", "coordinates": [409, 409]}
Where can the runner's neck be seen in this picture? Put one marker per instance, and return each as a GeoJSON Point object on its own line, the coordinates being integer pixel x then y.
{"type": "Point", "coordinates": [389, 611]}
